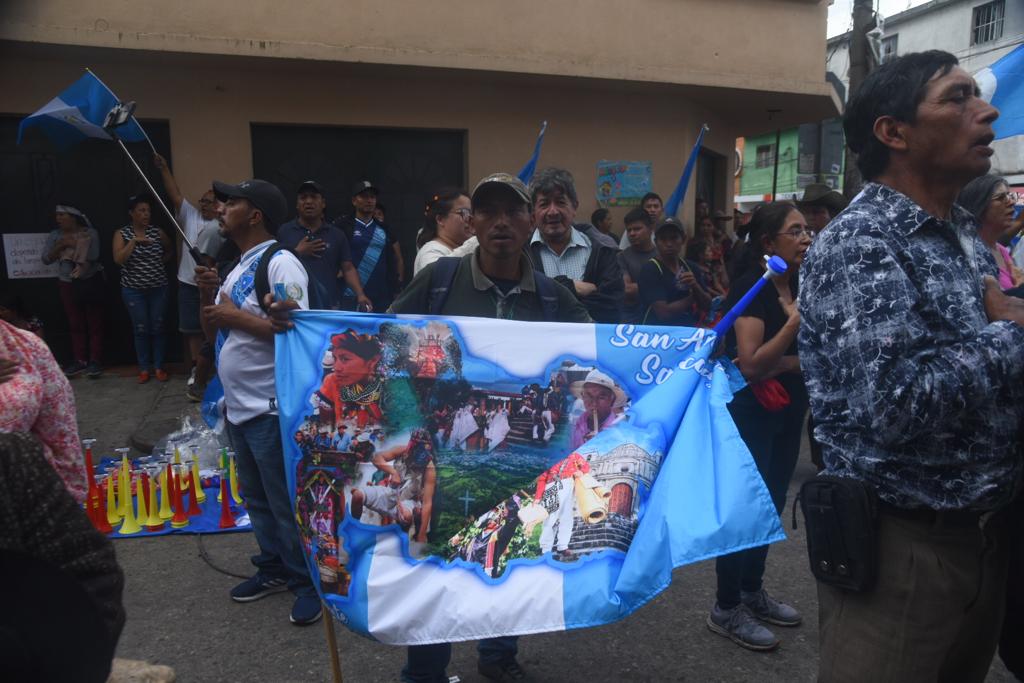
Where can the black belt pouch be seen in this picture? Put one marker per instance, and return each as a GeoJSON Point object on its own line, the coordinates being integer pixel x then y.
{"type": "Point", "coordinates": [841, 515]}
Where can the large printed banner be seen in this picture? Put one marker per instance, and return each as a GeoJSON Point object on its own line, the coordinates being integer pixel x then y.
{"type": "Point", "coordinates": [461, 478]}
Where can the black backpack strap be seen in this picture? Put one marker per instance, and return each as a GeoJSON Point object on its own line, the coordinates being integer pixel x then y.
{"type": "Point", "coordinates": [547, 291]}
{"type": "Point", "coordinates": [316, 295]}
{"type": "Point", "coordinates": [261, 281]}
{"type": "Point", "coordinates": [441, 278]}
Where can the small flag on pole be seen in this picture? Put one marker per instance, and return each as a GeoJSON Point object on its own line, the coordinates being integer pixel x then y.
{"type": "Point", "coordinates": [672, 205]}
{"type": "Point", "coordinates": [1002, 84]}
{"type": "Point", "coordinates": [78, 113]}
{"type": "Point", "coordinates": [526, 175]}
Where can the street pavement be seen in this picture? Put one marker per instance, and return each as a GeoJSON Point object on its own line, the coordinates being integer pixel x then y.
{"type": "Point", "coordinates": [179, 612]}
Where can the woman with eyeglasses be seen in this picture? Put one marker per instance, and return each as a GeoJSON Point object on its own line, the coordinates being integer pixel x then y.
{"type": "Point", "coordinates": [990, 201]}
{"type": "Point", "coordinates": [769, 413]}
{"type": "Point", "coordinates": [445, 227]}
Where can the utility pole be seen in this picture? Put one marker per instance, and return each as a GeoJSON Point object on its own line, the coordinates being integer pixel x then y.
{"type": "Point", "coordinates": [860, 67]}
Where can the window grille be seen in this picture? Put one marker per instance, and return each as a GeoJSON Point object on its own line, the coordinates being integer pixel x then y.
{"type": "Point", "coordinates": [987, 22]}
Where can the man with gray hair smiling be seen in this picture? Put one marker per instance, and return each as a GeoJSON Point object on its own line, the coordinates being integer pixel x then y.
{"type": "Point", "coordinates": [577, 256]}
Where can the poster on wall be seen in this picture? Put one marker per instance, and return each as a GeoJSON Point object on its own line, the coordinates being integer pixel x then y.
{"type": "Point", "coordinates": [622, 183]}
{"type": "Point", "coordinates": [23, 252]}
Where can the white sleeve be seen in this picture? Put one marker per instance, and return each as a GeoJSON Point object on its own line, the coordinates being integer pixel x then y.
{"type": "Point", "coordinates": [190, 219]}
{"type": "Point", "coordinates": [285, 269]}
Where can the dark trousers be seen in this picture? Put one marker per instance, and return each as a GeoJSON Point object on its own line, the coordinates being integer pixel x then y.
{"type": "Point", "coordinates": [934, 613]}
{"type": "Point", "coordinates": [774, 441]}
{"type": "Point", "coordinates": [85, 320]}
{"type": "Point", "coordinates": [429, 663]}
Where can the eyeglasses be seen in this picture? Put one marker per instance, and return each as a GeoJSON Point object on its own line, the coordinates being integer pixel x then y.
{"type": "Point", "coordinates": [1011, 197]}
{"type": "Point", "coordinates": [463, 213]}
{"type": "Point", "coordinates": [798, 233]}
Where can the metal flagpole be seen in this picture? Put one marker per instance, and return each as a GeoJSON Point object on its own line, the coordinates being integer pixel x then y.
{"type": "Point", "coordinates": [118, 115]}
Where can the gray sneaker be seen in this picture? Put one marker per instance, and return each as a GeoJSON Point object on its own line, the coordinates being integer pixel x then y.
{"type": "Point", "coordinates": [740, 627]}
{"type": "Point", "coordinates": [767, 608]}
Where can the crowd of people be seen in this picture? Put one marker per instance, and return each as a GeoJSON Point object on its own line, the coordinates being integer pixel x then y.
{"type": "Point", "coordinates": [898, 325]}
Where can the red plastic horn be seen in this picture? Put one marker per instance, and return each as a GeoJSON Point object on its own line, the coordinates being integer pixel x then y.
{"type": "Point", "coordinates": [227, 520]}
{"type": "Point", "coordinates": [193, 498]}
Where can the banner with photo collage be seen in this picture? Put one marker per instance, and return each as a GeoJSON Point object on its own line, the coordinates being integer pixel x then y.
{"type": "Point", "coordinates": [461, 478]}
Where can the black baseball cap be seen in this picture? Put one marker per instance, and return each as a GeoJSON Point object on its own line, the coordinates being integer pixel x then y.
{"type": "Point", "coordinates": [364, 186]}
{"type": "Point", "coordinates": [261, 194]}
{"type": "Point", "coordinates": [669, 225]}
{"type": "Point", "coordinates": [311, 185]}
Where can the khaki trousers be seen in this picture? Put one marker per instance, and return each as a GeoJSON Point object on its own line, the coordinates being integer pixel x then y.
{"type": "Point", "coordinates": [935, 612]}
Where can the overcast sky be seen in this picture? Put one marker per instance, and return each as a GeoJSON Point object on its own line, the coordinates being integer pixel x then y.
{"type": "Point", "coordinates": [840, 13]}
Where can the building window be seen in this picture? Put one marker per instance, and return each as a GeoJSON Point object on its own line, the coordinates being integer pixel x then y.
{"type": "Point", "coordinates": [889, 47]}
{"type": "Point", "coordinates": [987, 22]}
{"type": "Point", "coordinates": [765, 156]}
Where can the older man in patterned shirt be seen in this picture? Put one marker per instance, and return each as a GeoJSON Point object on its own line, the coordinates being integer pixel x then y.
{"type": "Point", "coordinates": [914, 359]}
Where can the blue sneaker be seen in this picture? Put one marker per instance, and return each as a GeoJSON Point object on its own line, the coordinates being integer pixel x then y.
{"type": "Point", "coordinates": [257, 587]}
{"type": "Point", "coordinates": [306, 610]}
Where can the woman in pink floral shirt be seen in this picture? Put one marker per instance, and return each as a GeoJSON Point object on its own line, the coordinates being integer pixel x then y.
{"type": "Point", "coordinates": [36, 397]}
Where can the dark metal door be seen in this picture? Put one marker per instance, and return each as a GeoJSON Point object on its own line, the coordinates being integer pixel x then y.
{"type": "Point", "coordinates": [408, 165]}
{"type": "Point", "coordinates": [96, 177]}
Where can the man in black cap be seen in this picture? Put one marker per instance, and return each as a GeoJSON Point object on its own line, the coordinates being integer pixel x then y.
{"type": "Point", "coordinates": [250, 213]}
{"type": "Point", "coordinates": [375, 251]}
{"type": "Point", "coordinates": [322, 247]}
{"type": "Point", "coordinates": [820, 204]}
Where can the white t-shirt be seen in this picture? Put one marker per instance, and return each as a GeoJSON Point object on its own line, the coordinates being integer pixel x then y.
{"type": "Point", "coordinates": [428, 253]}
{"type": "Point", "coordinates": [204, 234]}
{"type": "Point", "coordinates": [246, 363]}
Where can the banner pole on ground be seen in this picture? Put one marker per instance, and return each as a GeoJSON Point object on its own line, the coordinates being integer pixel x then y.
{"type": "Point", "coordinates": [332, 645]}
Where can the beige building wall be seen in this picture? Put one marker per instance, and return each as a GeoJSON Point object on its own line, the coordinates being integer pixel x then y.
{"type": "Point", "coordinates": [211, 102]}
{"type": "Point", "coordinates": [615, 80]}
{"type": "Point", "coordinates": [768, 45]}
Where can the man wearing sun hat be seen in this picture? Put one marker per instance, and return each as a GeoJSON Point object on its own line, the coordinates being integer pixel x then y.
{"type": "Point", "coordinates": [601, 396]}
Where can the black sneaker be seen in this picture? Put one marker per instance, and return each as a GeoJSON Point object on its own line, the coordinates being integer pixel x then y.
{"type": "Point", "coordinates": [74, 369]}
{"type": "Point", "coordinates": [194, 394]}
{"type": "Point", "coordinates": [767, 608]}
{"type": "Point", "coordinates": [307, 610]}
{"type": "Point", "coordinates": [501, 671]}
{"type": "Point", "coordinates": [92, 371]}
{"type": "Point", "coordinates": [739, 626]}
{"type": "Point", "coordinates": [257, 587]}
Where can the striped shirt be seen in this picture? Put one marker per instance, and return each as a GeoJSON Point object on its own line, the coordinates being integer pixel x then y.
{"type": "Point", "coordinates": [144, 269]}
{"type": "Point", "coordinates": [572, 262]}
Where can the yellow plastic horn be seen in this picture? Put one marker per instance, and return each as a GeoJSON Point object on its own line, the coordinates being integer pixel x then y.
{"type": "Point", "coordinates": [165, 497]}
{"type": "Point", "coordinates": [233, 479]}
{"type": "Point", "coordinates": [201, 494]}
{"type": "Point", "coordinates": [113, 516]}
{"type": "Point", "coordinates": [131, 522]}
{"type": "Point", "coordinates": [153, 520]}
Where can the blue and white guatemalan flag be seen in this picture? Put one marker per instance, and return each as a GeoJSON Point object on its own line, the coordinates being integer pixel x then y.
{"type": "Point", "coordinates": [1002, 84]}
{"type": "Point", "coordinates": [461, 478]}
{"type": "Point", "coordinates": [78, 113]}
{"type": "Point", "coordinates": [526, 173]}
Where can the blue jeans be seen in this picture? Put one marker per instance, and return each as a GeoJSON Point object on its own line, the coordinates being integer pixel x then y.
{"type": "Point", "coordinates": [260, 458]}
{"type": "Point", "coordinates": [146, 307]}
{"type": "Point", "coordinates": [428, 663]}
